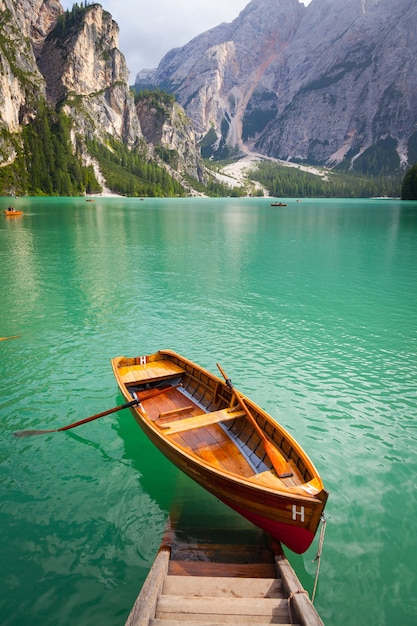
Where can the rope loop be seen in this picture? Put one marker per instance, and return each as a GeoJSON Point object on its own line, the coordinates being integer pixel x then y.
{"type": "Point", "coordinates": [290, 597]}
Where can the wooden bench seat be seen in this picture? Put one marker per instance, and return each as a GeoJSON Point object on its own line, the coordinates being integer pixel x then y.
{"type": "Point", "coordinates": [199, 421]}
{"type": "Point", "coordinates": [154, 370]}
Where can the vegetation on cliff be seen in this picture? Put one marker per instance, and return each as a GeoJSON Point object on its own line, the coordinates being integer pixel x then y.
{"type": "Point", "coordinates": [129, 173]}
{"type": "Point", "coordinates": [45, 162]}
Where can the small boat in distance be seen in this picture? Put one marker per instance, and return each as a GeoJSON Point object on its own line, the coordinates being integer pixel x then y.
{"type": "Point", "coordinates": [12, 212]}
{"type": "Point", "coordinates": [278, 204]}
{"type": "Point", "coordinates": [226, 443]}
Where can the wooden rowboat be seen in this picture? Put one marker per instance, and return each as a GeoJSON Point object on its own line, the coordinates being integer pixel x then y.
{"type": "Point", "coordinates": [220, 438]}
{"type": "Point", "coordinates": [12, 212]}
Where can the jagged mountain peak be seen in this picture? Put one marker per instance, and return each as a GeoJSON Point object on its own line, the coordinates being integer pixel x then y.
{"type": "Point", "coordinates": [214, 75]}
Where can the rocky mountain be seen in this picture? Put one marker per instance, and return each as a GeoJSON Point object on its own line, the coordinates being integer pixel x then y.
{"type": "Point", "coordinates": [332, 83]}
{"type": "Point", "coordinates": [71, 61]}
{"type": "Point", "coordinates": [86, 73]}
{"type": "Point", "coordinates": [165, 124]}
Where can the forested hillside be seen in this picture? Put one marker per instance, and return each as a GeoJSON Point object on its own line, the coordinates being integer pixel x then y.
{"type": "Point", "coordinates": [409, 186]}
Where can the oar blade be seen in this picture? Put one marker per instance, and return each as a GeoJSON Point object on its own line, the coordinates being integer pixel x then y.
{"type": "Point", "coordinates": [278, 461]}
{"type": "Point", "coordinates": [29, 433]}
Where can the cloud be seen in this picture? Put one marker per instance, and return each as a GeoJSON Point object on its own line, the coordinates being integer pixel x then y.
{"type": "Point", "coordinates": [149, 30]}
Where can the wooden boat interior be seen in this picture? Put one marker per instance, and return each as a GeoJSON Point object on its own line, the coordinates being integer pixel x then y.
{"type": "Point", "coordinates": [199, 413]}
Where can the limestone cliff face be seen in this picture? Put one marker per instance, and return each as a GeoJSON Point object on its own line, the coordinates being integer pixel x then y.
{"type": "Point", "coordinates": [21, 83]}
{"type": "Point", "coordinates": [321, 83]}
{"type": "Point", "coordinates": [38, 17]}
{"type": "Point", "coordinates": [84, 68]}
{"type": "Point", "coordinates": [78, 64]}
{"type": "Point", "coordinates": [348, 82]}
{"type": "Point", "coordinates": [215, 75]}
{"type": "Point", "coordinates": [165, 125]}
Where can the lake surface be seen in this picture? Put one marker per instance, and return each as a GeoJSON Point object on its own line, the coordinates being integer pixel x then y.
{"type": "Point", "coordinates": [311, 309]}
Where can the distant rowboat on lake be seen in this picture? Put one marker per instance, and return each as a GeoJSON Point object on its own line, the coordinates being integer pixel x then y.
{"type": "Point", "coordinates": [12, 212]}
{"type": "Point", "coordinates": [278, 204]}
{"type": "Point", "coordinates": [226, 443]}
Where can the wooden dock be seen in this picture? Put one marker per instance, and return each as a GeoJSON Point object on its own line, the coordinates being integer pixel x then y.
{"type": "Point", "coordinates": [210, 584]}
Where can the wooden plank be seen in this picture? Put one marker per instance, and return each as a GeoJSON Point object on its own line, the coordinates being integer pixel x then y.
{"type": "Point", "coordinates": [268, 479]}
{"type": "Point", "coordinates": [177, 606]}
{"type": "Point", "coordinates": [199, 421]}
{"type": "Point", "coordinates": [181, 409]}
{"type": "Point", "coordinates": [228, 619]}
{"type": "Point", "coordinates": [220, 586]}
{"type": "Point", "coordinates": [304, 610]}
{"type": "Point", "coordinates": [224, 455]}
{"type": "Point", "coordinates": [227, 553]}
{"type": "Point", "coordinates": [153, 370]}
{"type": "Point", "coordinates": [205, 568]}
{"type": "Point", "coordinates": [166, 402]}
{"type": "Point", "coordinates": [144, 608]}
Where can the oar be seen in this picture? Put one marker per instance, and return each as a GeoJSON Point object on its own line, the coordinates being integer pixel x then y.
{"type": "Point", "coordinates": [150, 394]}
{"type": "Point", "coordinates": [6, 338]}
{"type": "Point", "coordinates": [147, 394]}
{"type": "Point", "coordinates": [28, 433]}
{"type": "Point", "coordinates": [278, 461]}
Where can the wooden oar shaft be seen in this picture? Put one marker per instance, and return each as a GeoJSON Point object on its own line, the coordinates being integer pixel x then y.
{"type": "Point", "coordinates": [150, 394]}
{"type": "Point", "coordinates": [126, 405]}
{"type": "Point", "coordinates": [242, 404]}
{"type": "Point", "coordinates": [27, 433]}
{"type": "Point", "coordinates": [118, 408]}
{"type": "Point", "coordinates": [278, 461]}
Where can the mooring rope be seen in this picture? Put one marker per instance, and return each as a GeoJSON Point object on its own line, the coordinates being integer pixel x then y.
{"type": "Point", "coordinates": [318, 556]}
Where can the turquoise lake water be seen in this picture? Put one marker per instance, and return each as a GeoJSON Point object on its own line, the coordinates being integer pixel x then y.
{"type": "Point", "coordinates": [312, 311]}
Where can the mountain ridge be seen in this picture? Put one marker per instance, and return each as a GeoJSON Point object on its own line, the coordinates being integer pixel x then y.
{"type": "Point", "coordinates": [259, 85]}
{"type": "Point", "coordinates": [330, 84]}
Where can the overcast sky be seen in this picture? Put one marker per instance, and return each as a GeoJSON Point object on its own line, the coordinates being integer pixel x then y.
{"type": "Point", "coordinates": [150, 28]}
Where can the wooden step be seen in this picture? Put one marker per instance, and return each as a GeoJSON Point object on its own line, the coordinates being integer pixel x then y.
{"type": "Point", "coordinates": [206, 568]}
{"type": "Point", "coordinates": [255, 587]}
{"type": "Point", "coordinates": [217, 586]}
{"type": "Point", "coordinates": [220, 553]}
{"type": "Point", "coordinates": [225, 610]}
{"type": "Point", "coordinates": [208, 622]}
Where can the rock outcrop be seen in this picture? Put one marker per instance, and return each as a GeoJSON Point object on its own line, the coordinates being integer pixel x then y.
{"type": "Point", "coordinates": [167, 128]}
{"type": "Point", "coordinates": [21, 82]}
{"type": "Point", "coordinates": [84, 68]}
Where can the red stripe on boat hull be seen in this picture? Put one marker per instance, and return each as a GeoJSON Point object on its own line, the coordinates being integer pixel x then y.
{"type": "Point", "coordinates": [293, 537]}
